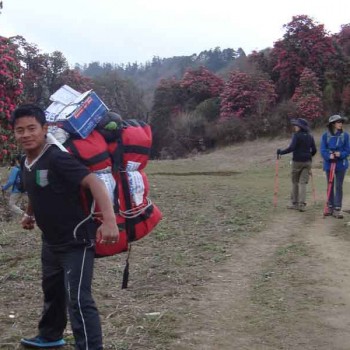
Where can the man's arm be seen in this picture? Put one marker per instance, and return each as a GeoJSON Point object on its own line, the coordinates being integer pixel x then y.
{"type": "Point", "coordinates": [108, 232]}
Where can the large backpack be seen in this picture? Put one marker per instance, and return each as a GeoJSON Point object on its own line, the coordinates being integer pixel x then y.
{"type": "Point", "coordinates": [124, 158]}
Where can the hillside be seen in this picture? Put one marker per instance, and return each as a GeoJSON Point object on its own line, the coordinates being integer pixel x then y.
{"type": "Point", "coordinates": [223, 270]}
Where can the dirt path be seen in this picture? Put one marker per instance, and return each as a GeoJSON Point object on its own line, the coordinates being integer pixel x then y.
{"type": "Point", "coordinates": [286, 288]}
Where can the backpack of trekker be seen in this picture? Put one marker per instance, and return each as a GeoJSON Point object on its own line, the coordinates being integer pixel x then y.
{"type": "Point", "coordinates": [118, 156]}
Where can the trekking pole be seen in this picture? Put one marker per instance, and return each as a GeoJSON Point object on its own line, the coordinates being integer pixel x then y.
{"type": "Point", "coordinates": [313, 186]}
{"type": "Point", "coordinates": [275, 192]}
{"type": "Point", "coordinates": [329, 188]}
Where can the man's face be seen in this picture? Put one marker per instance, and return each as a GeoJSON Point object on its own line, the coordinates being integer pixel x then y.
{"type": "Point", "coordinates": [29, 133]}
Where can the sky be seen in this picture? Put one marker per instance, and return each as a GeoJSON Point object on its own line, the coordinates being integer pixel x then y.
{"type": "Point", "coordinates": [119, 32]}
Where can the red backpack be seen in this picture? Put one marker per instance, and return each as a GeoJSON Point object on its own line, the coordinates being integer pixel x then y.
{"type": "Point", "coordinates": [126, 157]}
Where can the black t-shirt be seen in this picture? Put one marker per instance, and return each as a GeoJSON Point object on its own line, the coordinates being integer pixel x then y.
{"type": "Point", "coordinates": [53, 186]}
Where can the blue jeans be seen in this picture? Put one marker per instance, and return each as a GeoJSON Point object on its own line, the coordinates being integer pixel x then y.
{"type": "Point", "coordinates": [335, 201]}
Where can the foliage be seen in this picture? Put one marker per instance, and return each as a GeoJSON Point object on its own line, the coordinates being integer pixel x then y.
{"type": "Point", "coordinates": [346, 100]}
{"type": "Point", "coordinates": [168, 100]}
{"type": "Point", "coordinates": [307, 96]}
{"type": "Point", "coordinates": [200, 85]}
{"type": "Point", "coordinates": [10, 92]}
{"type": "Point", "coordinates": [343, 38]}
{"type": "Point", "coordinates": [209, 109]}
{"type": "Point", "coordinates": [43, 74]}
{"type": "Point", "coordinates": [120, 95]}
{"type": "Point", "coordinates": [245, 95]}
{"type": "Point", "coordinates": [305, 44]}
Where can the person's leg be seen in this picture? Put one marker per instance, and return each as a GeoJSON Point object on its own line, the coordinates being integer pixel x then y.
{"type": "Point", "coordinates": [13, 203]}
{"type": "Point", "coordinates": [303, 181]}
{"type": "Point", "coordinates": [84, 317]}
{"type": "Point", "coordinates": [338, 199]}
{"type": "Point", "coordinates": [330, 199]}
{"type": "Point", "coordinates": [54, 316]}
{"type": "Point", "coordinates": [295, 174]}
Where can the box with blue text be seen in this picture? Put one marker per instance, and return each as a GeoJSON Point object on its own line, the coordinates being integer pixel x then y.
{"type": "Point", "coordinates": [82, 115]}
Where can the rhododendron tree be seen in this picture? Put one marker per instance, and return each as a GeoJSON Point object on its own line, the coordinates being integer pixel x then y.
{"type": "Point", "coordinates": [200, 85]}
{"type": "Point", "coordinates": [246, 95]}
{"type": "Point", "coordinates": [307, 96]}
{"type": "Point", "coordinates": [343, 38]}
{"type": "Point", "coordinates": [305, 44]}
{"type": "Point", "coordinates": [10, 92]}
{"type": "Point", "coordinates": [346, 100]}
{"type": "Point", "coordinates": [74, 79]}
{"type": "Point", "coordinates": [33, 69]}
{"type": "Point", "coordinates": [43, 74]}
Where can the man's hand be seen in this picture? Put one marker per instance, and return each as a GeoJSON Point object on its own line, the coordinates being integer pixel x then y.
{"type": "Point", "coordinates": [337, 154]}
{"type": "Point", "coordinates": [28, 222]}
{"type": "Point", "coordinates": [108, 232]}
{"type": "Point", "coordinates": [278, 152]}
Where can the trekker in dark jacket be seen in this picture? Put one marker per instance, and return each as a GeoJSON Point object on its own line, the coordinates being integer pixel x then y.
{"type": "Point", "coordinates": [335, 148]}
{"type": "Point", "coordinates": [303, 148]}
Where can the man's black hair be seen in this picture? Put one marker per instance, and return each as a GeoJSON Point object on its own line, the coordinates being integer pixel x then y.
{"type": "Point", "coordinates": [28, 110]}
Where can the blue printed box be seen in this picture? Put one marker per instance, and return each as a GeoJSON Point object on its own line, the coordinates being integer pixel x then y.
{"type": "Point", "coordinates": [82, 115]}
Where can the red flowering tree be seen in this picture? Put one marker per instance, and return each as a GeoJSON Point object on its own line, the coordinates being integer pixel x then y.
{"type": "Point", "coordinates": [305, 44]}
{"type": "Point", "coordinates": [74, 79]}
{"type": "Point", "coordinates": [343, 38]}
{"type": "Point", "coordinates": [307, 96]}
{"type": "Point", "coordinates": [200, 85]}
{"type": "Point", "coordinates": [33, 65]}
{"type": "Point", "coordinates": [346, 100]}
{"type": "Point", "coordinates": [43, 74]}
{"type": "Point", "coordinates": [247, 95]}
{"type": "Point", "coordinates": [10, 92]}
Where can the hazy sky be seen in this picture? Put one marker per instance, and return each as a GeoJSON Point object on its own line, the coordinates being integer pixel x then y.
{"type": "Point", "coordinates": [135, 30]}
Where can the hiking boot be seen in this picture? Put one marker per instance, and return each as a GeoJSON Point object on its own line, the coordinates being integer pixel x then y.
{"type": "Point", "coordinates": [302, 207]}
{"type": "Point", "coordinates": [39, 342]}
{"type": "Point", "coordinates": [337, 213]}
{"type": "Point", "coordinates": [293, 206]}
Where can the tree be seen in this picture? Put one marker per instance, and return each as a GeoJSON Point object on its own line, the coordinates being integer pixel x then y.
{"type": "Point", "coordinates": [200, 85]}
{"type": "Point", "coordinates": [343, 38]}
{"type": "Point", "coordinates": [72, 78]}
{"type": "Point", "coordinates": [34, 69]}
{"type": "Point", "coordinates": [168, 100]}
{"type": "Point", "coordinates": [120, 95]}
{"type": "Point", "coordinates": [345, 108]}
{"type": "Point", "coordinates": [307, 96]}
{"type": "Point", "coordinates": [10, 91]}
{"type": "Point", "coordinates": [246, 95]}
{"type": "Point", "coordinates": [305, 44]}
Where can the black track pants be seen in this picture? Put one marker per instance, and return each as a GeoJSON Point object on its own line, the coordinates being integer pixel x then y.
{"type": "Point", "coordinates": [66, 282]}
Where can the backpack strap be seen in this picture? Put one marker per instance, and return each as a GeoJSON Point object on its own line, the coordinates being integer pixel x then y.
{"type": "Point", "coordinates": [341, 137]}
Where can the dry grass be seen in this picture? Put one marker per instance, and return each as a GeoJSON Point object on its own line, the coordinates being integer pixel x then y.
{"type": "Point", "coordinates": [209, 202]}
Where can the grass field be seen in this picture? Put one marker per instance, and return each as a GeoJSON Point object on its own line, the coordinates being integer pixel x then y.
{"type": "Point", "coordinates": [210, 203]}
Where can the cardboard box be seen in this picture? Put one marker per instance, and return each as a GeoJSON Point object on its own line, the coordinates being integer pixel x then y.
{"type": "Point", "coordinates": [82, 115]}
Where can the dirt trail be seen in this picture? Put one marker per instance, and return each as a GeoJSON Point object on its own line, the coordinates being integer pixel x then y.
{"type": "Point", "coordinates": [258, 301]}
